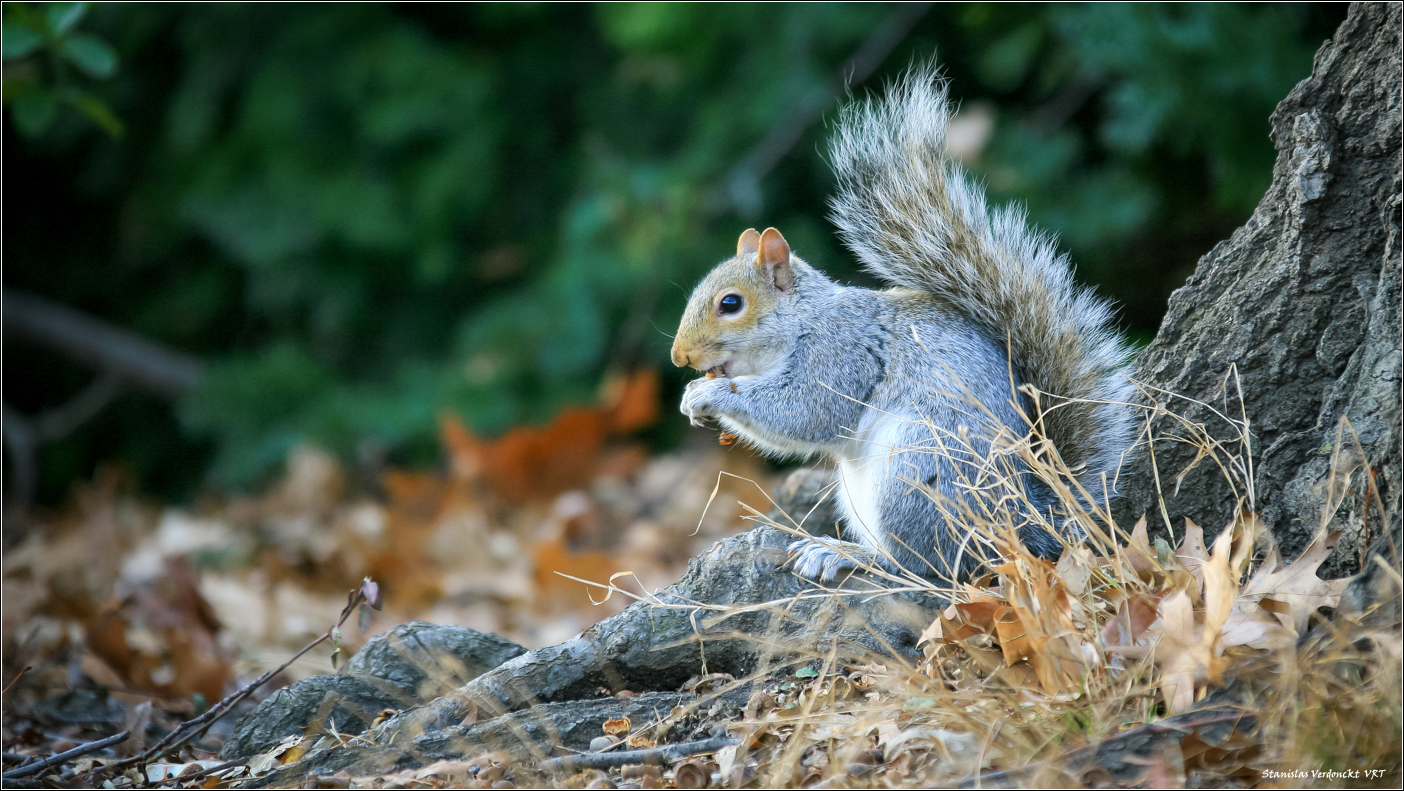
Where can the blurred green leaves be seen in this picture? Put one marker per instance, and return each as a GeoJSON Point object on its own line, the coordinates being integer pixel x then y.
{"type": "Point", "coordinates": [42, 47]}
{"type": "Point", "coordinates": [364, 215]}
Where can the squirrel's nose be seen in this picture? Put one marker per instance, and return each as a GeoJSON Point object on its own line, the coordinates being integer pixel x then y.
{"type": "Point", "coordinates": [680, 359]}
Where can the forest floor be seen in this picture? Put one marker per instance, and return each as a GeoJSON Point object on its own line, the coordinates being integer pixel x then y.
{"type": "Point", "coordinates": [1134, 665]}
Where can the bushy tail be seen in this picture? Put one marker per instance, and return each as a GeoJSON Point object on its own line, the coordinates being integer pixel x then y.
{"type": "Point", "coordinates": [916, 219]}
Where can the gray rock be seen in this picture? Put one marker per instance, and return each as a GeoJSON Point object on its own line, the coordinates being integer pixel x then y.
{"type": "Point", "coordinates": [738, 609]}
{"type": "Point", "coordinates": [806, 499]}
{"type": "Point", "coordinates": [313, 703]}
{"type": "Point", "coordinates": [534, 733]}
{"type": "Point", "coordinates": [409, 665]}
{"type": "Point", "coordinates": [420, 661]}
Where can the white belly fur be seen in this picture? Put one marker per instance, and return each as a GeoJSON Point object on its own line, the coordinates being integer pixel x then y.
{"type": "Point", "coordinates": [864, 467]}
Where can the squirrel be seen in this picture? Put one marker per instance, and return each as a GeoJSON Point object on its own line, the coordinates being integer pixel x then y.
{"type": "Point", "coordinates": [904, 388]}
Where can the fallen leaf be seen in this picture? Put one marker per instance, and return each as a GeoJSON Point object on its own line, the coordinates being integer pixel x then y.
{"type": "Point", "coordinates": [1191, 553]}
{"type": "Point", "coordinates": [1296, 585]}
{"type": "Point", "coordinates": [1138, 551]}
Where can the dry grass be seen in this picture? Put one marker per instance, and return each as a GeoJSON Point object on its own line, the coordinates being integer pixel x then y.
{"type": "Point", "coordinates": [1126, 663]}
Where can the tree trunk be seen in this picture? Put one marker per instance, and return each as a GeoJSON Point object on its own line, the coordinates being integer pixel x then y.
{"type": "Point", "coordinates": [1299, 309]}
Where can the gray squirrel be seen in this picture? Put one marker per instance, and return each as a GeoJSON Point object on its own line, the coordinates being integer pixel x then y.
{"type": "Point", "coordinates": [910, 389]}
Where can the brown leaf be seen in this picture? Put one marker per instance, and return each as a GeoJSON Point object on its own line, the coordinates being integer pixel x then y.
{"type": "Point", "coordinates": [528, 462]}
{"type": "Point", "coordinates": [1252, 626]}
{"type": "Point", "coordinates": [932, 633]}
{"type": "Point", "coordinates": [632, 400]}
{"type": "Point", "coordinates": [1189, 653]}
{"type": "Point", "coordinates": [692, 774]}
{"type": "Point", "coordinates": [1296, 585]}
{"type": "Point", "coordinates": [1020, 676]}
{"type": "Point", "coordinates": [1037, 625]}
{"type": "Point", "coordinates": [1075, 569]}
{"type": "Point", "coordinates": [1138, 552]}
{"type": "Point", "coordinates": [1191, 553]}
{"type": "Point", "coordinates": [1220, 591]}
{"type": "Point", "coordinates": [1220, 587]}
{"type": "Point", "coordinates": [1180, 652]}
{"type": "Point", "coordinates": [1013, 636]}
{"type": "Point", "coordinates": [1247, 528]}
{"type": "Point", "coordinates": [987, 659]}
{"type": "Point", "coordinates": [618, 726]}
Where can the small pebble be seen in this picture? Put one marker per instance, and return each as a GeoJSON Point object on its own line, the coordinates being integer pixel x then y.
{"type": "Point", "coordinates": [601, 743]}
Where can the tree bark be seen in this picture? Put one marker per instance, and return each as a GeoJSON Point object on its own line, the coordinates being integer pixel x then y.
{"type": "Point", "coordinates": [1300, 310]}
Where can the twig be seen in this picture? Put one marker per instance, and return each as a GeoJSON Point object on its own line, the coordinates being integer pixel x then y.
{"type": "Point", "coordinates": [211, 770]}
{"type": "Point", "coordinates": [657, 756]}
{"type": "Point", "coordinates": [67, 755]}
{"type": "Point", "coordinates": [16, 679]}
{"type": "Point", "coordinates": [187, 730]}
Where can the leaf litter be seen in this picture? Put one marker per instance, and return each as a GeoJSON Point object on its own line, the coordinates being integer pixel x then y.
{"type": "Point", "coordinates": [1128, 662]}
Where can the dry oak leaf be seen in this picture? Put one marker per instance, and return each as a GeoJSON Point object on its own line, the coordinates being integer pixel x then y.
{"type": "Point", "coordinates": [1191, 557]}
{"type": "Point", "coordinates": [1137, 615]}
{"type": "Point", "coordinates": [1294, 590]}
{"type": "Point", "coordinates": [1138, 554]}
{"type": "Point", "coordinates": [1039, 626]}
{"type": "Point", "coordinates": [1189, 653]}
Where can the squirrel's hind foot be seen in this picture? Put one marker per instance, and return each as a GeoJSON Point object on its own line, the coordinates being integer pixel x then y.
{"type": "Point", "coordinates": [824, 558]}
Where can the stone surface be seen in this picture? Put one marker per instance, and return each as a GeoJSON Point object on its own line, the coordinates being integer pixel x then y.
{"type": "Point", "coordinates": [422, 661]}
{"type": "Point", "coordinates": [806, 500]}
{"type": "Point", "coordinates": [737, 610]}
{"type": "Point", "coordinates": [409, 665]}
{"type": "Point", "coordinates": [538, 732]}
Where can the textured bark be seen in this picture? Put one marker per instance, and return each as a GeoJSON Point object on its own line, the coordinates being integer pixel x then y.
{"type": "Point", "coordinates": [1303, 303]}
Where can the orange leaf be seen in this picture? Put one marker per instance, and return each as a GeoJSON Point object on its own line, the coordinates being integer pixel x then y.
{"type": "Point", "coordinates": [633, 400]}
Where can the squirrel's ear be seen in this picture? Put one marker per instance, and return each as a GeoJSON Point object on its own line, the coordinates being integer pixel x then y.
{"type": "Point", "coordinates": [749, 242]}
{"type": "Point", "coordinates": [774, 259]}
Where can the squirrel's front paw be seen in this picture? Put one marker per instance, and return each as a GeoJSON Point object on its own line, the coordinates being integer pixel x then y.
{"type": "Point", "coordinates": [823, 558]}
{"type": "Point", "coordinates": [700, 399]}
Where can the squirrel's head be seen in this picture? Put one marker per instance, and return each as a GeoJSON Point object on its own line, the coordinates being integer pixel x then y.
{"type": "Point", "coordinates": [723, 328]}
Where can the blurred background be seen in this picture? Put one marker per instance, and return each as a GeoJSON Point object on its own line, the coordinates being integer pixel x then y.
{"type": "Point", "coordinates": [299, 293]}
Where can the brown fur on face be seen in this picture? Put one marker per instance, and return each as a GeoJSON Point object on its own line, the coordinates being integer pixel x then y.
{"type": "Point", "coordinates": [759, 273]}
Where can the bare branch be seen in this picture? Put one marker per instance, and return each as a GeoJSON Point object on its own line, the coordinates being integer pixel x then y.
{"type": "Point", "coordinates": [657, 756]}
{"type": "Point", "coordinates": [68, 755]}
{"type": "Point", "coordinates": [99, 344]}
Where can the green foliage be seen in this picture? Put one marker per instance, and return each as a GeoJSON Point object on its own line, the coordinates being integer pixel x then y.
{"type": "Point", "coordinates": [365, 215]}
{"type": "Point", "coordinates": [42, 46]}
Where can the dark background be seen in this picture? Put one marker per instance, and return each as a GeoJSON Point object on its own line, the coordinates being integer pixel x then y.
{"type": "Point", "coordinates": [360, 216]}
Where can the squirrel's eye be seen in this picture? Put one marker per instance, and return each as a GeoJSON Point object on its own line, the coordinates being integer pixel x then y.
{"type": "Point", "coordinates": [730, 303]}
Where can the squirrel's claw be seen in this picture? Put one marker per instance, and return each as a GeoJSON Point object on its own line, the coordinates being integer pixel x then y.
{"type": "Point", "coordinates": [699, 400]}
{"type": "Point", "coordinates": [823, 558]}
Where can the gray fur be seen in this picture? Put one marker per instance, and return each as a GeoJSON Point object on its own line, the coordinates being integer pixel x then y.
{"type": "Point", "coordinates": [912, 391]}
